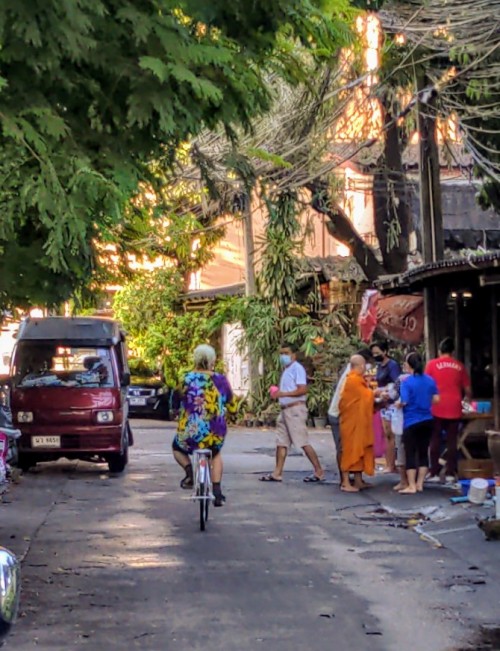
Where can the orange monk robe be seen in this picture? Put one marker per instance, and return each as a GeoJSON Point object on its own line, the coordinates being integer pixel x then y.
{"type": "Point", "coordinates": [356, 426]}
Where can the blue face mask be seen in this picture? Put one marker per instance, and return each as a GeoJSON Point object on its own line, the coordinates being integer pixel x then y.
{"type": "Point", "coordinates": [285, 360]}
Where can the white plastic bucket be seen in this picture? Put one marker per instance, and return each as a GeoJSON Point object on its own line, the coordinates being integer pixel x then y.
{"type": "Point", "coordinates": [478, 490]}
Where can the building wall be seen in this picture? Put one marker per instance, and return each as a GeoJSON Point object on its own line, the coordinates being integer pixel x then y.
{"type": "Point", "coordinates": [235, 363]}
{"type": "Point", "coordinates": [228, 264]}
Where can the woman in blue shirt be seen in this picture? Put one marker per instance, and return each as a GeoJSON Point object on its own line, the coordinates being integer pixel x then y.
{"type": "Point", "coordinates": [418, 393]}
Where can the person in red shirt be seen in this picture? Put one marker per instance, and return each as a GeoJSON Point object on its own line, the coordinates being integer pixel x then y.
{"type": "Point", "coordinates": [453, 384]}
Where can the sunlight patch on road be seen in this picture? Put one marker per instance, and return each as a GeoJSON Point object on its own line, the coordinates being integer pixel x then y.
{"type": "Point", "coordinates": [145, 560]}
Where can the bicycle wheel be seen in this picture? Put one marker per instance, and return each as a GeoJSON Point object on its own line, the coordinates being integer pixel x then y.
{"type": "Point", "coordinates": [203, 507]}
{"type": "Point", "coordinates": [207, 504]}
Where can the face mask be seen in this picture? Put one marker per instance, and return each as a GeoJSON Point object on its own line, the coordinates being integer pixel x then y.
{"type": "Point", "coordinates": [285, 360]}
{"type": "Point", "coordinates": [378, 358]}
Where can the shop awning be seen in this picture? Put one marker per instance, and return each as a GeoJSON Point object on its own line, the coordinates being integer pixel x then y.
{"type": "Point", "coordinates": [399, 318]}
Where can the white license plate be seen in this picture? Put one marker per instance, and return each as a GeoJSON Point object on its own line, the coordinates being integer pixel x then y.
{"type": "Point", "coordinates": [137, 402]}
{"type": "Point", "coordinates": [45, 441]}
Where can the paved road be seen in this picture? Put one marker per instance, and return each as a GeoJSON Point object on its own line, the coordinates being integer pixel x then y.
{"type": "Point", "coordinates": [114, 563]}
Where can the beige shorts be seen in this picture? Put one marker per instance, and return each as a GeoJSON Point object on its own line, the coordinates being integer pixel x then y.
{"type": "Point", "coordinates": [292, 427]}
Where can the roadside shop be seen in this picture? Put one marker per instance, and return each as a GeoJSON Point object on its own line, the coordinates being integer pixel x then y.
{"type": "Point", "coordinates": [464, 297]}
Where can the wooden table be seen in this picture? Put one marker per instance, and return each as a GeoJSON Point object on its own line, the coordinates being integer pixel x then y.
{"type": "Point", "coordinates": [473, 424]}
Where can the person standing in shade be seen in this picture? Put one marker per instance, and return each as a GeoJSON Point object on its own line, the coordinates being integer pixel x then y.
{"type": "Point", "coordinates": [356, 428]}
{"type": "Point", "coordinates": [418, 393]}
{"type": "Point", "coordinates": [292, 422]}
{"type": "Point", "coordinates": [334, 411]}
{"type": "Point", "coordinates": [453, 383]}
{"type": "Point", "coordinates": [397, 428]}
{"type": "Point", "coordinates": [388, 371]}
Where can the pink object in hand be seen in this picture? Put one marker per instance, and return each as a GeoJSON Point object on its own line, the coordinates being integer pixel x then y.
{"type": "Point", "coordinates": [273, 390]}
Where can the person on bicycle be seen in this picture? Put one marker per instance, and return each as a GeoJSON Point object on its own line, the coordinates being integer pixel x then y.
{"type": "Point", "coordinates": [206, 399]}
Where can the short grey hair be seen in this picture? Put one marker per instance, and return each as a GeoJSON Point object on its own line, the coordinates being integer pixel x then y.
{"type": "Point", "coordinates": [204, 357]}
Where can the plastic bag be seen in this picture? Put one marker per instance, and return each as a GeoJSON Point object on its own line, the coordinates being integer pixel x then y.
{"type": "Point", "coordinates": [397, 421]}
{"type": "Point", "coordinates": [379, 438]}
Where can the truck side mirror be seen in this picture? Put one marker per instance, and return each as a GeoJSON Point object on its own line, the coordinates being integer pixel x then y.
{"type": "Point", "coordinates": [126, 379]}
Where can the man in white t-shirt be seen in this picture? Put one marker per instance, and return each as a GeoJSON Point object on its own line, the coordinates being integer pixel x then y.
{"type": "Point", "coordinates": [292, 422]}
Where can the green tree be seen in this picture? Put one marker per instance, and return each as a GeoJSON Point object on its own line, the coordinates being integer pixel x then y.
{"type": "Point", "coordinates": [91, 91]}
{"type": "Point", "coordinates": [160, 331]}
{"type": "Point", "coordinates": [459, 58]}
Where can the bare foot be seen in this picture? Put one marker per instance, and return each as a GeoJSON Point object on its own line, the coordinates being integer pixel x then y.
{"type": "Point", "coordinates": [400, 486]}
{"type": "Point", "coordinates": [390, 471]}
{"type": "Point", "coordinates": [363, 486]}
{"type": "Point", "coordinates": [349, 489]}
{"type": "Point", "coordinates": [420, 489]}
{"type": "Point", "coordinates": [408, 491]}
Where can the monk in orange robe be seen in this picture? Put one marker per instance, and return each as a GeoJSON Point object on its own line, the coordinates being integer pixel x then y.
{"type": "Point", "coordinates": [356, 427]}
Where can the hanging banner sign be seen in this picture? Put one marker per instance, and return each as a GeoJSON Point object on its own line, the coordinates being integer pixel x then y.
{"type": "Point", "coordinates": [399, 318]}
{"type": "Point", "coordinates": [367, 319]}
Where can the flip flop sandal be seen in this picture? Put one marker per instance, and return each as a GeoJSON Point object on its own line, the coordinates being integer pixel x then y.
{"type": "Point", "coordinates": [312, 479]}
{"type": "Point", "coordinates": [270, 478]}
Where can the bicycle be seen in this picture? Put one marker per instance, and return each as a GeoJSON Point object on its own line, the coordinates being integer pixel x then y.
{"type": "Point", "coordinates": [202, 483]}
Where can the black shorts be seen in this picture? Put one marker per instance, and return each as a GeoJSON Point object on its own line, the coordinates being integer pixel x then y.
{"type": "Point", "coordinates": [177, 448]}
{"type": "Point", "coordinates": [416, 439]}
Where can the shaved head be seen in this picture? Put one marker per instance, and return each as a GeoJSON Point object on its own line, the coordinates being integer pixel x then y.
{"type": "Point", "coordinates": [358, 363]}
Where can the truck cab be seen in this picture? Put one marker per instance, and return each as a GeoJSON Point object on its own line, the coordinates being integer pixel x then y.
{"type": "Point", "coordinates": [68, 391]}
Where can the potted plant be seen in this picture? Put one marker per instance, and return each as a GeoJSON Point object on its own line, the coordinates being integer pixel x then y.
{"type": "Point", "coordinates": [318, 400]}
{"type": "Point", "coordinates": [249, 419]}
{"type": "Point", "coordinates": [270, 415]}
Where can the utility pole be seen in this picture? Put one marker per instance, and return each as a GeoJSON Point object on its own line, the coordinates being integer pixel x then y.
{"type": "Point", "coordinates": [431, 214]}
{"type": "Point", "coordinates": [250, 286]}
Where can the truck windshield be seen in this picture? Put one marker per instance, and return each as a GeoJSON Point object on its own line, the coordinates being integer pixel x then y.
{"type": "Point", "coordinates": [42, 365]}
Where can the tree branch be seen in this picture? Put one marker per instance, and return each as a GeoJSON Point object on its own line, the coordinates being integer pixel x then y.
{"type": "Point", "coordinates": [341, 228]}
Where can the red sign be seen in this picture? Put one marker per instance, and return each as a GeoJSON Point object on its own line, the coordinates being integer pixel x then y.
{"type": "Point", "coordinates": [401, 318]}
{"type": "Point", "coordinates": [367, 320]}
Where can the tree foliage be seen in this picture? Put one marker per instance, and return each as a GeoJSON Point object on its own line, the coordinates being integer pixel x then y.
{"type": "Point", "coordinates": [281, 249]}
{"type": "Point", "coordinates": [91, 91]}
{"type": "Point", "coordinates": [160, 331]}
{"type": "Point", "coordinates": [456, 46]}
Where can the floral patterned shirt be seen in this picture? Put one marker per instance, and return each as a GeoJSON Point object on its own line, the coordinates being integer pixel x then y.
{"type": "Point", "coordinates": [206, 398]}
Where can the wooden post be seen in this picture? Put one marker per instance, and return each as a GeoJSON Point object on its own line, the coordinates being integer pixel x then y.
{"type": "Point", "coordinates": [494, 325]}
{"type": "Point", "coordinates": [249, 247]}
{"type": "Point", "coordinates": [431, 218]}
{"type": "Point", "coordinates": [431, 213]}
{"type": "Point", "coordinates": [250, 288]}
{"type": "Point", "coordinates": [457, 328]}
{"type": "Point", "coordinates": [431, 332]}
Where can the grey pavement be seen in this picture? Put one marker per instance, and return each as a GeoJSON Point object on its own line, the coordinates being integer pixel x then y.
{"type": "Point", "coordinates": [118, 562]}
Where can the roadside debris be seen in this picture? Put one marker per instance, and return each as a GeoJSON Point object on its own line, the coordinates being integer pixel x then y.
{"type": "Point", "coordinates": [490, 528]}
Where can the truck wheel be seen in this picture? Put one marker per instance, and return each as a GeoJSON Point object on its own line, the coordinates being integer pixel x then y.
{"type": "Point", "coordinates": [118, 462]}
{"type": "Point", "coordinates": [25, 462]}
{"type": "Point", "coordinates": [130, 435]}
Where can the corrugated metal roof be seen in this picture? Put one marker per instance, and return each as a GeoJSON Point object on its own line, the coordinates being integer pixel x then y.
{"type": "Point", "coordinates": [237, 289]}
{"type": "Point", "coordinates": [462, 263]}
{"type": "Point", "coordinates": [334, 267]}
{"type": "Point", "coordinates": [343, 269]}
{"type": "Point", "coordinates": [460, 207]}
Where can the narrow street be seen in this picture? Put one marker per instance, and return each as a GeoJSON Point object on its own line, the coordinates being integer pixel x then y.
{"type": "Point", "coordinates": [118, 562]}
